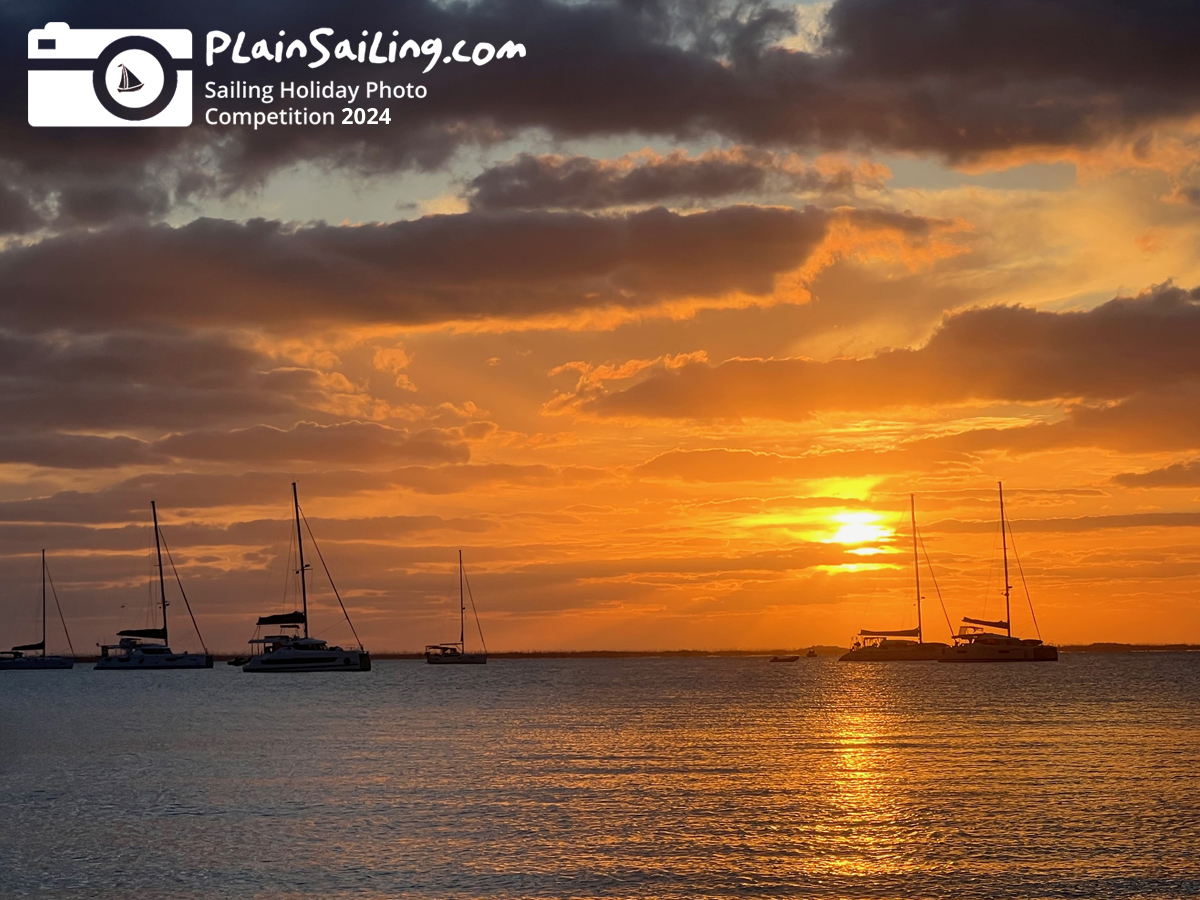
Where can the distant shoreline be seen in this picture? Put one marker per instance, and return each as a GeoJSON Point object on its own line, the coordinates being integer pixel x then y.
{"type": "Point", "coordinates": [821, 650]}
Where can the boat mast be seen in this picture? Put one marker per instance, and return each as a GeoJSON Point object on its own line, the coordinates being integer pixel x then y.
{"type": "Point", "coordinates": [912, 510]}
{"type": "Point", "coordinates": [162, 584]}
{"type": "Point", "coordinates": [1004, 542]}
{"type": "Point", "coordinates": [462, 608]}
{"type": "Point", "coordinates": [300, 551]}
{"type": "Point", "coordinates": [43, 602]}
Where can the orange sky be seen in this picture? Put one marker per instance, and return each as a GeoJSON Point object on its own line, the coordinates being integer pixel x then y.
{"type": "Point", "coordinates": [667, 380]}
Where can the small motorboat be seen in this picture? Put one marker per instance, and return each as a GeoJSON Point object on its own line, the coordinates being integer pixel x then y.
{"type": "Point", "coordinates": [785, 659]}
{"type": "Point", "coordinates": [811, 654]}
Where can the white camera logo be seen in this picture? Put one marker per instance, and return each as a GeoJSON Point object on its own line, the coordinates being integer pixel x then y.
{"type": "Point", "coordinates": [109, 77]}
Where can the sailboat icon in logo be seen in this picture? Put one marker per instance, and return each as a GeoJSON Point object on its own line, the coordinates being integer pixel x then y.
{"type": "Point", "coordinates": [129, 81]}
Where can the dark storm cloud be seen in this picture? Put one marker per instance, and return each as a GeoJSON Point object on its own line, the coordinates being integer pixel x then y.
{"type": "Point", "coordinates": [174, 397]}
{"type": "Point", "coordinates": [127, 500]}
{"type": "Point", "coordinates": [936, 76]}
{"type": "Point", "coordinates": [1150, 421]}
{"type": "Point", "coordinates": [186, 492]}
{"type": "Point", "coordinates": [157, 379]}
{"type": "Point", "coordinates": [185, 537]}
{"type": "Point", "coordinates": [1117, 350]}
{"type": "Point", "coordinates": [73, 451]}
{"type": "Point", "coordinates": [362, 443]}
{"type": "Point", "coordinates": [17, 213]}
{"type": "Point", "coordinates": [580, 182]}
{"type": "Point", "coordinates": [352, 443]}
{"type": "Point", "coordinates": [1176, 475]}
{"type": "Point", "coordinates": [440, 268]}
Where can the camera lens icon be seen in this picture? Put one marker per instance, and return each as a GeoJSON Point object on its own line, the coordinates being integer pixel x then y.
{"type": "Point", "coordinates": [135, 78]}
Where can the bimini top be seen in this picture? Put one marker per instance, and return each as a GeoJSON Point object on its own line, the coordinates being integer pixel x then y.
{"type": "Point", "coordinates": [985, 623]}
{"type": "Point", "coordinates": [152, 633]}
{"type": "Point", "coordinates": [292, 618]}
{"type": "Point", "coordinates": [909, 632]}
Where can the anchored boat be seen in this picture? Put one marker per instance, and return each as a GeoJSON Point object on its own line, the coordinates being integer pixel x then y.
{"type": "Point", "coordinates": [288, 651]}
{"type": "Point", "coordinates": [980, 640]}
{"type": "Point", "coordinates": [16, 658]}
{"type": "Point", "coordinates": [899, 646]}
{"type": "Point", "coordinates": [136, 649]}
{"type": "Point", "coordinates": [456, 653]}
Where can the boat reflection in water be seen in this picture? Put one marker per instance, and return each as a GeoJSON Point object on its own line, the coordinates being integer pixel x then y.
{"type": "Point", "coordinates": [899, 646]}
{"type": "Point", "coordinates": [291, 652]}
{"type": "Point", "coordinates": [975, 643]}
{"type": "Point", "coordinates": [136, 650]}
{"type": "Point", "coordinates": [17, 659]}
{"type": "Point", "coordinates": [455, 653]}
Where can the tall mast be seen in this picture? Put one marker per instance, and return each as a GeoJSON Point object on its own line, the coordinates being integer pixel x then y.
{"type": "Point", "coordinates": [912, 509]}
{"type": "Point", "coordinates": [300, 550]}
{"type": "Point", "coordinates": [43, 603]}
{"type": "Point", "coordinates": [162, 584]}
{"type": "Point", "coordinates": [1004, 541]}
{"type": "Point", "coordinates": [462, 608]}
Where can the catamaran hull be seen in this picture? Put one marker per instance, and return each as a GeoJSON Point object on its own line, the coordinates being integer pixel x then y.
{"type": "Point", "coordinates": [288, 660]}
{"type": "Point", "coordinates": [139, 663]}
{"type": "Point", "coordinates": [26, 663]}
{"type": "Point", "coordinates": [461, 659]}
{"type": "Point", "coordinates": [973, 653]}
{"type": "Point", "coordinates": [915, 653]}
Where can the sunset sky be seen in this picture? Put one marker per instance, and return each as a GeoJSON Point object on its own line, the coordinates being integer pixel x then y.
{"type": "Point", "coordinates": [661, 325]}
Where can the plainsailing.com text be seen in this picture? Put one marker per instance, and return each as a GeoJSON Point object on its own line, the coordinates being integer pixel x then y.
{"type": "Point", "coordinates": [278, 51]}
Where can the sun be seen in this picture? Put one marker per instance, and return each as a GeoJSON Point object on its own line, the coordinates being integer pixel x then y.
{"type": "Point", "coordinates": [857, 527]}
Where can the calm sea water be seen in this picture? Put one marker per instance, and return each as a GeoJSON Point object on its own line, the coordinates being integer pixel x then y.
{"type": "Point", "coordinates": [632, 778]}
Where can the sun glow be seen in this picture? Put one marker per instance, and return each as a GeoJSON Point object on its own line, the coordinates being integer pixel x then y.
{"type": "Point", "coordinates": [857, 527]}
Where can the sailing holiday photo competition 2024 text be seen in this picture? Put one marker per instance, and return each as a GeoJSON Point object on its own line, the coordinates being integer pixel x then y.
{"type": "Point", "coordinates": [313, 90]}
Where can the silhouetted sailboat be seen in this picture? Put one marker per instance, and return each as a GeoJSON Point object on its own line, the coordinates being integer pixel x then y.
{"type": "Point", "coordinates": [129, 81]}
{"type": "Point", "coordinates": [16, 658]}
{"type": "Point", "coordinates": [135, 649]}
{"type": "Point", "coordinates": [898, 646]}
{"type": "Point", "coordinates": [289, 652]}
{"type": "Point", "coordinates": [975, 644]}
{"type": "Point", "coordinates": [456, 653]}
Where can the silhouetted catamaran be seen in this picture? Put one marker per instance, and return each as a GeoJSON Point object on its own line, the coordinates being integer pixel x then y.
{"type": "Point", "coordinates": [16, 658]}
{"type": "Point", "coordinates": [456, 653]}
{"type": "Point", "coordinates": [974, 643]}
{"type": "Point", "coordinates": [898, 646]}
{"type": "Point", "coordinates": [129, 81]}
{"type": "Point", "coordinates": [289, 652]}
{"type": "Point", "coordinates": [135, 649]}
